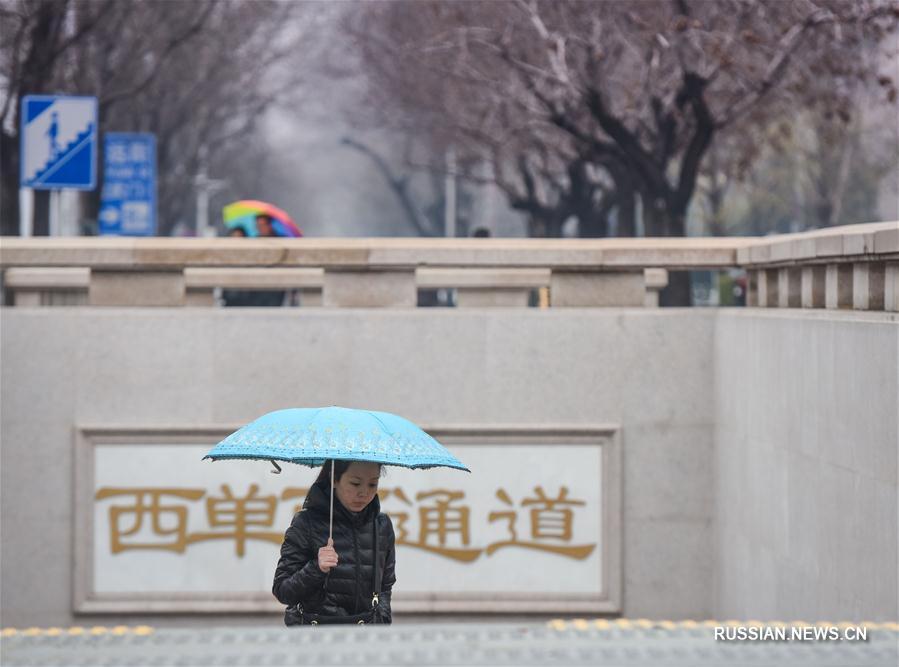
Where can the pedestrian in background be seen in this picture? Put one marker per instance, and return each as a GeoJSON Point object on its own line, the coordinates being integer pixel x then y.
{"type": "Point", "coordinates": [257, 298]}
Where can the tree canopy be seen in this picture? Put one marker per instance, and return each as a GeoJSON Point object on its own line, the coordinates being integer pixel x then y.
{"type": "Point", "coordinates": [581, 108]}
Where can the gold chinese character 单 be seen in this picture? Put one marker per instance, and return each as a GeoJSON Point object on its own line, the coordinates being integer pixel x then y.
{"type": "Point", "coordinates": [240, 514]}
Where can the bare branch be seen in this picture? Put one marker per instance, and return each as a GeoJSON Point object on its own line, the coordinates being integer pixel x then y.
{"type": "Point", "coordinates": [174, 43]}
{"type": "Point", "coordinates": [398, 185]}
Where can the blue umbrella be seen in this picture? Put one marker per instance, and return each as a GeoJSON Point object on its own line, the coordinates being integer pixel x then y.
{"type": "Point", "coordinates": [311, 436]}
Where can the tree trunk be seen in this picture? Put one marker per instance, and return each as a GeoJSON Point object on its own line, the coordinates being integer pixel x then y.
{"type": "Point", "coordinates": [677, 293]}
{"type": "Point", "coordinates": [627, 212]}
{"type": "Point", "coordinates": [9, 185]}
{"type": "Point", "coordinates": [537, 227]}
{"type": "Point", "coordinates": [655, 215]}
{"type": "Point", "coordinates": [34, 78]}
{"type": "Point", "coordinates": [595, 226]}
{"type": "Point", "coordinates": [554, 227]}
{"type": "Point", "coordinates": [676, 223]}
{"type": "Point", "coordinates": [593, 223]}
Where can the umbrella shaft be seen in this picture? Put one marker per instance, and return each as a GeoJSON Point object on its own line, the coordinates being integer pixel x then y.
{"type": "Point", "coordinates": [331, 518]}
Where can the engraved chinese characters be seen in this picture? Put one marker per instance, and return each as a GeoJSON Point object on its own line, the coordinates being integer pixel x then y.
{"type": "Point", "coordinates": [437, 521]}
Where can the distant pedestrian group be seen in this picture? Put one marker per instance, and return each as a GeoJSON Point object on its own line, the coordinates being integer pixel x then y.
{"type": "Point", "coordinates": [259, 298]}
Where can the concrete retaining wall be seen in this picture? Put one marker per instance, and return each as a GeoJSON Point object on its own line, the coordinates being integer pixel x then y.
{"type": "Point", "coordinates": [759, 447]}
{"type": "Point", "coordinates": [806, 443]}
{"type": "Point", "coordinates": [646, 369]}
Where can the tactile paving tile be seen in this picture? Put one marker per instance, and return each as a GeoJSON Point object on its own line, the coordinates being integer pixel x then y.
{"type": "Point", "coordinates": [591, 643]}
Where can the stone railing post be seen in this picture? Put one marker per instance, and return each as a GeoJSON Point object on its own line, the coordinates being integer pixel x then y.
{"type": "Point", "coordinates": [789, 288]}
{"type": "Point", "coordinates": [311, 297]}
{"type": "Point", "coordinates": [656, 280]}
{"type": "Point", "coordinates": [868, 285]}
{"type": "Point", "coordinates": [768, 288]}
{"type": "Point", "coordinates": [122, 287]}
{"type": "Point", "coordinates": [813, 287]}
{"type": "Point", "coordinates": [838, 286]}
{"type": "Point", "coordinates": [891, 287]}
{"type": "Point", "coordinates": [369, 288]}
{"type": "Point", "coordinates": [752, 288]}
{"type": "Point", "coordinates": [596, 288]}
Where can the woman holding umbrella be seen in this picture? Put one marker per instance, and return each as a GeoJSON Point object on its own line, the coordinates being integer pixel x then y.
{"type": "Point", "coordinates": [337, 560]}
{"type": "Point", "coordinates": [348, 577]}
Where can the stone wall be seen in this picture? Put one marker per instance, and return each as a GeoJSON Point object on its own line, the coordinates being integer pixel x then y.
{"type": "Point", "coordinates": [806, 443]}
{"type": "Point", "coordinates": [759, 446]}
{"type": "Point", "coordinates": [648, 370]}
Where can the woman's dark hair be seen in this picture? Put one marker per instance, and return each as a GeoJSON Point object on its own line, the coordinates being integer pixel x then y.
{"type": "Point", "coordinates": [340, 467]}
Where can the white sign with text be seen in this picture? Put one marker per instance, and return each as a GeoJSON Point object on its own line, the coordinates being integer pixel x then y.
{"type": "Point", "coordinates": [535, 520]}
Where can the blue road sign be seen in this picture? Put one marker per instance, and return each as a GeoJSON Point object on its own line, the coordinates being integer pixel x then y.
{"type": "Point", "coordinates": [128, 202]}
{"type": "Point", "coordinates": [58, 142]}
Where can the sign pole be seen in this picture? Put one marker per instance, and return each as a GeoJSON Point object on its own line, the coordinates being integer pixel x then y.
{"type": "Point", "coordinates": [26, 212]}
{"type": "Point", "coordinates": [54, 213]}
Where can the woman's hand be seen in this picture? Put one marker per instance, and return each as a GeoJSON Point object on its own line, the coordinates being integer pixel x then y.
{"type": "Point", "coordinates": [327, 557]}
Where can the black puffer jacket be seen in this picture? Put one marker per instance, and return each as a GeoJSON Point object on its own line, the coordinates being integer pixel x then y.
{"type": "Point", "coordinates": [346, 589]}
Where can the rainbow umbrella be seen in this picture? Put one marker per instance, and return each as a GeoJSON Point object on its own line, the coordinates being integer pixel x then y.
{"type": "Point", "coordinates": [242, 214]}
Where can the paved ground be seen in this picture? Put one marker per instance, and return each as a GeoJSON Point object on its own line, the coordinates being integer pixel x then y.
{"type": "Point", "coordinates": [556, 643]}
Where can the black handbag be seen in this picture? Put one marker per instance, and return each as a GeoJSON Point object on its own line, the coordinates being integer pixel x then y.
{"type": "Point", "coordinates": [296, 615]}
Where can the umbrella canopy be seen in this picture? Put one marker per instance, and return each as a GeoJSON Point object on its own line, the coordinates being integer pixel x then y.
{"type": "Point", "coordinates": [242, 214]}
{"type": "Point", "coordinates": [310, 436]}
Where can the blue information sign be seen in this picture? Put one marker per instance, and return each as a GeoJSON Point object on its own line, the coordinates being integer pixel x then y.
{"type": "Point", "coordinates": [128, 206]}
{"type": "Point", "coordinates": [58, 142]}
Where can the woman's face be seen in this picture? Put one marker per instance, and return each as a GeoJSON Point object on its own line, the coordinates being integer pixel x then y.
{"type": "Point", "coordinates": [357, 487]}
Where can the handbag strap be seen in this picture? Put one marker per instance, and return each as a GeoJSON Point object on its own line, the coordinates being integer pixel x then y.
{"type": "Point", "coordinates": [376, 567]}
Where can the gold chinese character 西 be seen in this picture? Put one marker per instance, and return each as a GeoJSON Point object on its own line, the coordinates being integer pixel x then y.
{"type": "Point", "coordinates": [147, 503]}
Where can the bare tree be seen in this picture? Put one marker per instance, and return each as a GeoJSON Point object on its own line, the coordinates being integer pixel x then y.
{"type": "Point", "coordinates": [816, 171]}
{"type": "Point", "coordinates": [638, 91]}
{"type": "Point", "coordinates": [172, 68]}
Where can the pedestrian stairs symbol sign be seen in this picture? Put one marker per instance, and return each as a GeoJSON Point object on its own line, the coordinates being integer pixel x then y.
{"type": "Point", "coordinates": [59, 142]}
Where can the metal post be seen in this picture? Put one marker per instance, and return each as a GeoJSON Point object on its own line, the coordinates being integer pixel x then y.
{"type": "Point", "coordinates": [205, 186]}
{"type": "Point", "coordinates": [202, 196]}
{"type": "Point", "coordinates": [449, 209]}
{"type": "Point", "coordinates": [55, 213]}
{"type": "Point", "coordinates": [26, 212]}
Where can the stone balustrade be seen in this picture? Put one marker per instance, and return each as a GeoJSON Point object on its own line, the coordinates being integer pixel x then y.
{"type": "Point", "coordinates": [855, 266]}
{"type": "Point", "coordinates": [55, 286]}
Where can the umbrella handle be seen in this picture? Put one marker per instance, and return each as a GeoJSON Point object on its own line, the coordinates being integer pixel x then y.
{"type": "Point", "coordinates": [277, 470]}
{"type": "Point", "coordinates": [331, 517]}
